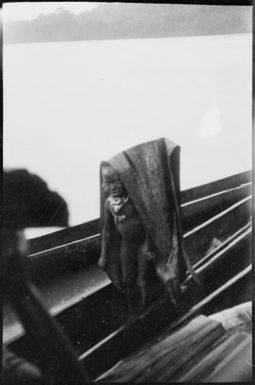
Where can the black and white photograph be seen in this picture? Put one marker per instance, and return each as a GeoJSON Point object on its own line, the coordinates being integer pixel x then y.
{"type": "Point", "coordinates": [127, 192]}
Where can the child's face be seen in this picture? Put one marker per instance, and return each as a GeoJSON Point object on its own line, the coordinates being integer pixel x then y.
{"type": "Point", "coordinates": [111, 182]}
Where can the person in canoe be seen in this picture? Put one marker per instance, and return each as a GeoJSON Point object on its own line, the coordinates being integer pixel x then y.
{"type": "Point", "coordinates": [120, 214]}
{"type": "Point", "coordinates": [141, 221]}
{"type": "Point", "coordinates": [21, 193]}
{"type": "Point", "coordinates": [28, 202]}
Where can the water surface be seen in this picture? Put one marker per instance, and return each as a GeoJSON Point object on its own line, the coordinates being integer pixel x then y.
{"type": "Point", "coordinates": [69, 105]}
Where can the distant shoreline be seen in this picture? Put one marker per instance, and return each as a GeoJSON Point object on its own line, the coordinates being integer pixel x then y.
{"type": "Point", "coordinates": [115, 21]}
{"type": "Point", "coordinates": [126, 38]}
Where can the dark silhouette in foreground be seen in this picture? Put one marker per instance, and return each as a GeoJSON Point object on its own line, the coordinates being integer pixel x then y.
{"type": "Point", "coordinates": [29, 202]}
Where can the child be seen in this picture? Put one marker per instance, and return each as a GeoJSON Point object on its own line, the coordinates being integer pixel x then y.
{"type": "Point", "coordinates": [120, 214]}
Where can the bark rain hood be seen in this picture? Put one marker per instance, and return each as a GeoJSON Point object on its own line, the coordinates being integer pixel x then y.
{"type": "Point", "coordinates": [150, 174]}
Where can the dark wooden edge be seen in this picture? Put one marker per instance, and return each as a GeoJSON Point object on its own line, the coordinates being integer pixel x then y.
{"type": "Point", "coordinates": [136, 332]}
{"type": "Point", "coordinates": [132, 335]}
{"type": "Point", "coordinates": [193, 214]}
{"type": "Point", "coordinates": [74, 256]}
{"type": "Point", "coordinates": [217, 186]}
{"type": "Point", "coordinates": [64, 236]}
{"type": "Point", "coordinates": [92, 228]}
{"type": "Point", "coordinates": [208, 305]}
{"type": "Point", "coordinates": [98, 305]}
{"type": "Point", "coordinates": [198, 211]}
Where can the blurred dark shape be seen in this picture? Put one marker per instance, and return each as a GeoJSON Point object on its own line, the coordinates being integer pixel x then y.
{"type": "Point", "coordinates": [28, 202]}
{"type": "Point", "coordinates": [19, 371]}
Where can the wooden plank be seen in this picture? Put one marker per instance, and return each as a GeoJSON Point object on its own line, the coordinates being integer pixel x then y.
{"type": "Point", "coordinates": [64, 236]}
{"type": "Point", "coordinates": [221, 246]}
{"type": "Point", "coordinates": [86, 321]}
{"type": "Point", "coordinates": [196, 241]}
{"type": "Point", "coordinates": [128, 338]}
{"type": "Point", "coordinates": [216, 186]}
{"type": "Point", "coordinates": [75, 323]}
{"type": "Point", "coordinates": [236, 366]}
{"type": "Point", "coordinates": [106, 298]}
{"type": "Point", "coordinates": [217, 229]}
{"type": "Point", "coordinates": [85, 252]}
{"type": "Point", "coordinates": [199, 211]}
{"type": "Point", "coordinates": [226, 263]}
{"type": "Point", "coordinates": [51, 264]}
{"type": "Point", "coordinates": [200, 371]}
{"type": "Point", "coordinates": [92, 228]}
{"type": "Point", "coordinates": [236, 318]}
{"type": "Point", "coordinates": [79, 326]}
{"type": "Point", "coordinates": [162, 359]}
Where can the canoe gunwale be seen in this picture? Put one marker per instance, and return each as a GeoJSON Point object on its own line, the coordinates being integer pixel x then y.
{"type": "Point", "coordinates": [81, 242]}
{"type": "Point", "coordinates": [90, 228]}
{"type": "Point", "coordinates": [187, 236]}
{"type": "Point", "coordinates": [131, 328]}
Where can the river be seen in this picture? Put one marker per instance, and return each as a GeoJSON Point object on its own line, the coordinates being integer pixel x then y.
{"type": "Point", "coordinates": [69, 105]}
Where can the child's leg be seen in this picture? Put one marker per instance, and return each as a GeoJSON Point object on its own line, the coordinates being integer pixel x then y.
{"type": "Point", "coordinates": [144, 255]}
{"type": "Point", "coordinates": [128, 257]}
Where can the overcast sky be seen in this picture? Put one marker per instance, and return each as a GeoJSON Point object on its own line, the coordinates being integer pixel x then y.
{"type": "Point", "coordinates": [31, 10]}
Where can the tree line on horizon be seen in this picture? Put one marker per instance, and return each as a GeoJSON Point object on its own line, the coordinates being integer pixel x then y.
{"type": "Point", "coordinates": [125, 21]}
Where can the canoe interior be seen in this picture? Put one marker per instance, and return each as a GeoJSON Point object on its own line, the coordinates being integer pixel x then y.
{"type": "Point", "coordinates": [79, 246]}
{"type": "Point", "coordinates": [190, 353]}
{"type": "Point", "coordinates": [91, 228]}
{"type": "Point", "coordinates": [51, 265]}
{"type": "Point", "coordinates": [93, 318]}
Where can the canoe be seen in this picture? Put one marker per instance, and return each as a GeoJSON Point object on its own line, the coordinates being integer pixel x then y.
{"type": "Point", "coordinates": [203, 349]}
{"type": "Point", "coordinates": [80, 245]}
{"type": "Point", "coordinates": [216, 214]}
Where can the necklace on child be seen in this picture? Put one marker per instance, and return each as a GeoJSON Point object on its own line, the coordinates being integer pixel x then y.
{"type": "Point", "coordinates": [118, 202]}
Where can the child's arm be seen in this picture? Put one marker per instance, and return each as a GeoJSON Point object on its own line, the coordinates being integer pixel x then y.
{"type": "Point", "coordinates": [106, 234]}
